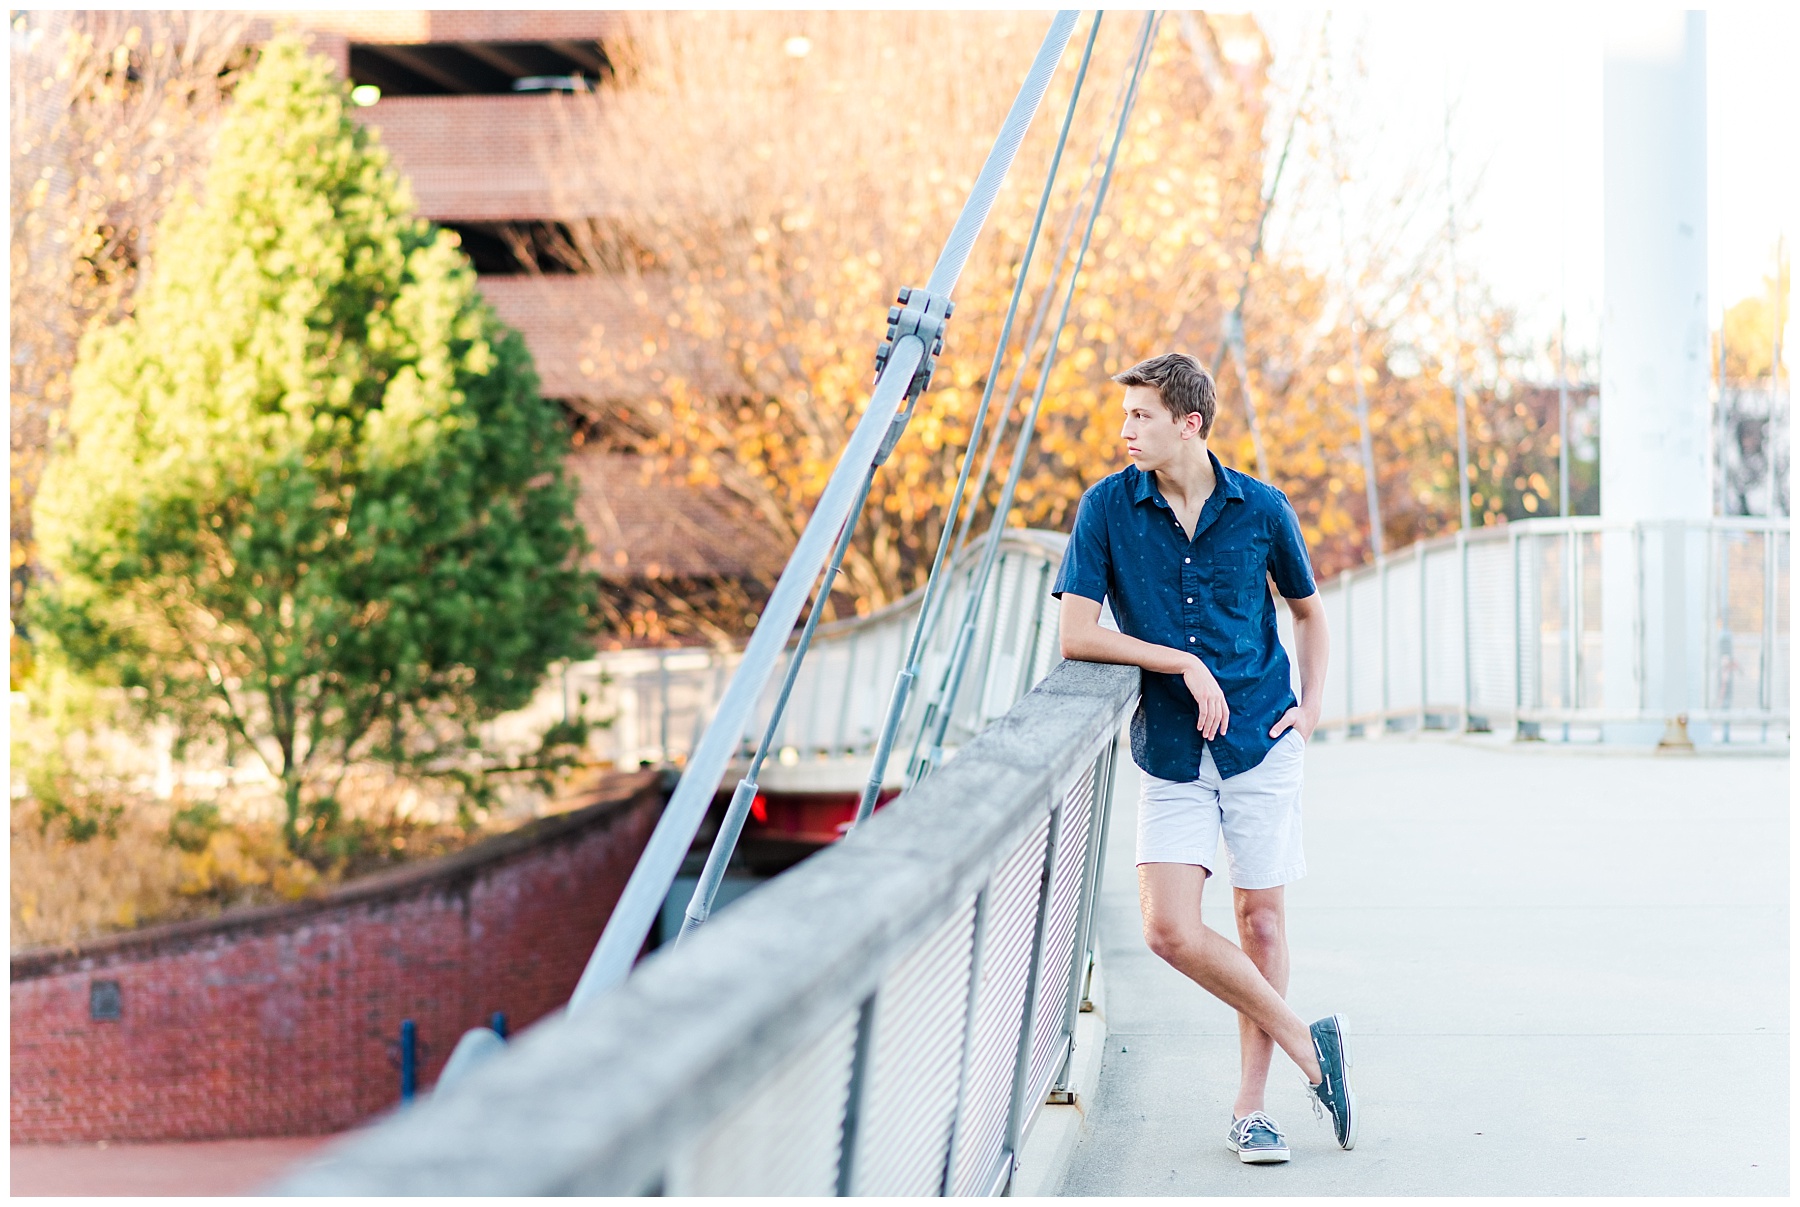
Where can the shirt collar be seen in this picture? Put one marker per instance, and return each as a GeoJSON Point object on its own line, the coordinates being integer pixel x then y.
{"type": "Point", "coordinates": [1146, 483]}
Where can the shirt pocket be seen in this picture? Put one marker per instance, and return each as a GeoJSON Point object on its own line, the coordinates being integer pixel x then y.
{"type": "Point", "coordinates": [1238, 581]}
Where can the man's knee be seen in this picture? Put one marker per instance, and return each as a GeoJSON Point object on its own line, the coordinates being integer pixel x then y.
{"type": "Point", "coordinates": [1262, 923]}
{"type": "Point", "coordinates": [1171, 939]}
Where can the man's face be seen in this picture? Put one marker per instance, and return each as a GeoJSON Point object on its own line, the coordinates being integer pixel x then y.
{"type": "Point", "coordinates": [1153, 436]}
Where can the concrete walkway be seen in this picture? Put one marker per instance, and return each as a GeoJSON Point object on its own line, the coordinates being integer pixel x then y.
{"type": "Point", "coordinates": [190, 1170]}
{"type": "Point", "coordinates": [1565, 973]}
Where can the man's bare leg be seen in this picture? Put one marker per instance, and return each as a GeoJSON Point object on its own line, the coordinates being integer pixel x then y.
{"type": "Point", "coordinates": [1170, 896]}
{"type": "Point", "coordinates": [1262, 932]}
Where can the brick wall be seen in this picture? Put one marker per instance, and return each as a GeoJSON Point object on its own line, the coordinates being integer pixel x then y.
{"type": "Point", "coordinates": [282, 1021]}
{"type": "Point", "coordinates": [457, 25]}
{"type": "Point", "coordinates": [565, 318]}
{"type": "Point", "coordinates": [485, 158]}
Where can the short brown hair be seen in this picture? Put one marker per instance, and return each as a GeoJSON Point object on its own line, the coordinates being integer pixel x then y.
{"type": "Point", "coordinates": [1182, 383]}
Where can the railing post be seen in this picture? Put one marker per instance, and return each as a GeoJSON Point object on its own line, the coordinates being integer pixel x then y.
{"type": "Point", "coordinates": [1468, 636]}
{"type": "Point", "coordinates": [1771, 566]}
{"type": "Point", "coordinates": [1028, 654]}
{"type": "Point", "coordinates": [1015, 1115]}
{"type": "Point", "coordinates": [1577, 613]}
{"type": "Point", "coordinates": [1518, 628]}
{"type": "Point", "coordinates": [1381, 595]}
{"type": "Point", "coordinates": [1349, 651]}
{"type": "Point", "coordinates": [859, 1077]}
{"type": "Point", "coordinates": [662, 724]}
{"type": "Point", "coordinates": [1105, 824]}
{"type": "Point", "coordinates": [1085, 910]}
{"type": "Point", "coordinates": [409, 1060]}
{"type": "Point", "coordinates": [843, 727]}
{"type": "Point", "coordinates": [1424, 635]}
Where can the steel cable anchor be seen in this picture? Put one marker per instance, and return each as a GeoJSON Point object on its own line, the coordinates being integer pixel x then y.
{"type": "Point", "coordinates": [922, 315]}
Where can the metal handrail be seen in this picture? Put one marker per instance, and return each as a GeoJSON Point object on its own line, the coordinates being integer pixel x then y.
{"type": "Point", "coordinates": [867, 1023]}
{"type": "Point", "coordinates": [1418, 642]}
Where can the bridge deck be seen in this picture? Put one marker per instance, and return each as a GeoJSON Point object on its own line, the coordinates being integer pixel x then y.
{"type": "Point", "coordinates": [1566, 973]}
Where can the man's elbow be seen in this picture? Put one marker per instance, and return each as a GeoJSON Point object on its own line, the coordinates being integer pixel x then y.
{"type": "Point", "coordinates": [1077, 643]}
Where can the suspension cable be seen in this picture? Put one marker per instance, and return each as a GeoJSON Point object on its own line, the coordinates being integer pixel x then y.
{"type": "Point", "coordinates": [641, 902]}
{"type": "Point", "coordinates": [934, 598]}
{"type": "Point", "coordinates": [935, 591]}
{"type": "Point", "coordinates": [726, 840]}
{"type": "Point", "coordinates": [971, 610]}
{"type": "Point", "coordinates": [1041, 312]}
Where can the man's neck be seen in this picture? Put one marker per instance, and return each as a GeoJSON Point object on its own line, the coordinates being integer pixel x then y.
{"type": "Point", "coordinates": [1189, 480]}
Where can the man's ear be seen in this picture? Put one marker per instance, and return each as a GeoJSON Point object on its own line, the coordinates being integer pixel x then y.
{"type": "Point", "coordinates": [1191, 423]}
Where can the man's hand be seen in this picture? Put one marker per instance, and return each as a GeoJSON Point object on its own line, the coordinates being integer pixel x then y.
{"type": "Point", "coordinates": [1298, 719]}
{"type": "Point", "coordinates": [1215, 714]}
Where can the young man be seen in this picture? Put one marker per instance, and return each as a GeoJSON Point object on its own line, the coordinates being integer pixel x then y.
{"type": "Point", "coordinates": [1180, 545]}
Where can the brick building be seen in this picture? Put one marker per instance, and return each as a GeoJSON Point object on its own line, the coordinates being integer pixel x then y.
{"type": "Point", "coordinates": [469, 104]}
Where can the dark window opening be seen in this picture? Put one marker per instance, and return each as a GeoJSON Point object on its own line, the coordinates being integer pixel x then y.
{"type": "Point", "coordinates": [478, 68]}
{"type": "Point", "coordinates": [605, 427]}
{"type": "Point", "coordinates": [512, 248]}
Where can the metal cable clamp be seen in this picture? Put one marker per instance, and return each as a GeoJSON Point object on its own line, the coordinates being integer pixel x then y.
{"type": "Point", "coordinates": [921, 314]}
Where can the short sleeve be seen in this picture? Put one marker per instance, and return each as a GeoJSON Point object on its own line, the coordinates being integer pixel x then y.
{"type": "Point", "coordinates": [1288, 561]}
{"type": "Point", "coordinates": [1087, 561]}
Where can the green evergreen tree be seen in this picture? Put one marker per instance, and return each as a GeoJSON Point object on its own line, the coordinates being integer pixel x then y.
{"type": "Point", "coordinates": [312, 496]}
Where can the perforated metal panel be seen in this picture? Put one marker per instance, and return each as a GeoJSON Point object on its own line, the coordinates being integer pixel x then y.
{"type": "Point", "coordinates": [999, 1007]}
{"type": "Point", "coordinates": [1443, 630]}
{"type": "Point", "coordinates": [783, 1139]}
{"type": "Point", "coordinates": [1365, 645]}
{"type": "Point", "coordinates": [1778, 655]}
{"type": "Point", "coordinates": [1405, 635]}
{"type": "Point", "coordinates": [1491, 625]}
{"type": "Point", "coordinates": [1591, 661]}
{"type": "Point", "coordinates": [1528, 591]}
{"type": "Point", "coordinates": [1740, 561]}
{"type": "Point", "coordinates": [915, 1054]}
{"type": "Point", "coordinates": [1049, 1028]}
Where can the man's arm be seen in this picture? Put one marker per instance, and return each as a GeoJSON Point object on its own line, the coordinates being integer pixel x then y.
{"type": "Point", "coordinates": [1085, 641]}
{"type": "Point", "coordinates": [1312, 646]}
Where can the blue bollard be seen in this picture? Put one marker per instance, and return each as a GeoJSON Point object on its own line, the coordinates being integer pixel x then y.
{"type": "Point", "coordinates": [409, 1060]}
{"type": "Point", "coordinates": [498, 1023]}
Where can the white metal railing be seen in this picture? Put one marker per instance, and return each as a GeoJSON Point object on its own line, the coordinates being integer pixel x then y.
{"type": "Point", "coordinates": [887, 1018]}
{"type": "Point", "coordinates": [1546, 625]}
{"type": "Point", "coordinates": [656, 703]}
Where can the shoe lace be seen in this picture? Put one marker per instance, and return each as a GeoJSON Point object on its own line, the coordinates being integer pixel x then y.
{"type": "Point", "coordinates": [1318, 1104]}
{"type": "Point", "coordinates": [1255, 1119]}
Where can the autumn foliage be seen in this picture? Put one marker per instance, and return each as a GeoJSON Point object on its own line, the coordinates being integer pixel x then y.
{"type": "Point", "coordinates": [779, 193]}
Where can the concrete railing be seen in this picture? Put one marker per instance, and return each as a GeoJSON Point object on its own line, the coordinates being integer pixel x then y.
{"type": "Point", "coordinates": [886, 1018]}
{"type": "Point", "coordinates": [1568, 627]}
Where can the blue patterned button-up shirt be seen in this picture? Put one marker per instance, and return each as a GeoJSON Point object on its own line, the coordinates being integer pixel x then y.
{"type": "Point", "coordinates": [1207, 595]}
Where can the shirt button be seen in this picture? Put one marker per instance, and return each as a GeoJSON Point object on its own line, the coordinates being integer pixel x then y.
{"type": "Point", "coordinates": [1186, 560]}
{"type": "Point", "coordinates": [1190, 641]}
{"type": "Point", "coordinates": [1190, 599]}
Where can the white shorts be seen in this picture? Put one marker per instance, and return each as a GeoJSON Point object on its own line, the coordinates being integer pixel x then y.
{"type": "Point", "coordinates": [1258, 811]}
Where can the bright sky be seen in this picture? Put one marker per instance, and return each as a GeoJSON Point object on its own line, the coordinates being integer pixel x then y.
{"type": "Point", "coordinates": [1524, 88]}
